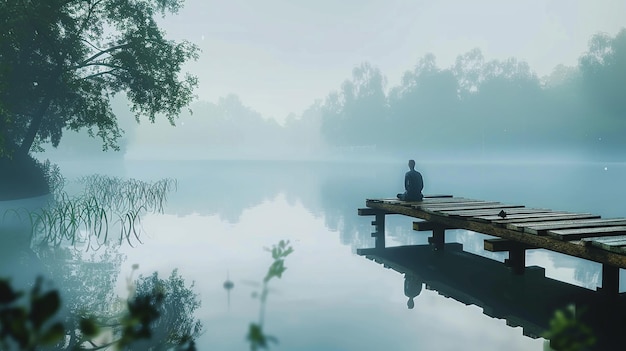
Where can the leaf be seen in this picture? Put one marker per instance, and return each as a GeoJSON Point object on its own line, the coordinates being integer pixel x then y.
{"type": "Point", "coordinates": [88, 327]}
{"type": "Point", "coordinates": [44, 307]}
{"type": "Point", "coordinates": [7, 295]}
{"type": "Point", "coordinates": [13, 321]}
{"type": "Point", "coordinates": [53, 335]}
{"type": "Point", "coordinates": [257, 338]}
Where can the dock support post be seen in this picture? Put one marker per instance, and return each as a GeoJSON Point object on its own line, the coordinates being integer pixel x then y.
{"type": "Point", "coordinates": [516, 250]}
{"type": "Point", "coordinates": [379, 234]}
{"type": "Point", "coordinates": [439, 238]}
{"type": "Point", "coordinates": [517, 259]}
{"type": "Point", "coordinates": [610, 280]}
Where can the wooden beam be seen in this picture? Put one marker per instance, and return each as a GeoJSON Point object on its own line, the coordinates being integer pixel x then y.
{"type": "Point", "coordinates": [371, 212]}
{"type": "Point", "coordinates": [423, 226]}
{"type": "Point", "coordinates": [501, 245]}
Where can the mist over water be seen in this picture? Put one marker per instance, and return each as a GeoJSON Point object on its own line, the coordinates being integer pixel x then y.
{"type": "Point", "coordinates": [223, 213]}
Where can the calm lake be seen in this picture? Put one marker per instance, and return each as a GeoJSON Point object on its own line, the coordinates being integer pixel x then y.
{"type": "Point", "coordinates": [223, 214]}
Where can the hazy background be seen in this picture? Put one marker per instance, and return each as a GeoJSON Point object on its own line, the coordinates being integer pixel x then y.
{"type": "Point", "coordinates": [392, 79]}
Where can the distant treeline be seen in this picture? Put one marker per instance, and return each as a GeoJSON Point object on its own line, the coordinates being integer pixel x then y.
{"type": "Point", "coordinates": [479, 106]}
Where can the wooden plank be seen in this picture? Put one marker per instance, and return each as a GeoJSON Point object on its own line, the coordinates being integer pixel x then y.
{"type": "Point", "coordinates": [486, 206]}
{"type": "Point", "coordinates": [426, 199]}
{"type": "Point", "coordinates": [541, 229]}
{"type": "Point", "coordinates": [494, 212]}
{"type": "Point", "coordinates": [575, 234]}
{"type": "Point", "coordinates": [522, 225]}
{"type": "Point", "coordinates": [449, 199]}
{"type": "Point", "coordinates": [610, 243]}
{"type": "Point", "coordinates": [536, 217]}
{"type": "Point", "coordinates": [459, 204]}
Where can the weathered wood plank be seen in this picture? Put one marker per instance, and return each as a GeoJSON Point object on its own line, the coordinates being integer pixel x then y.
{"type": "Point", "coordinates": [448, 200]}
{"type": "Point", "coordinates": [460, 204]}
{"type": "Point", "coordinates": [536, 217]}
{"type": "Point", "coordinates": [606, 239]}
{"type": "Point", "coordinates": [486, 206]}
{"type": "Point", "coordinates": [610, 243]}
{"type": "Point", "coordinates": [426, 199]}
{"type": "Point", "coordinates": [494, 212]}
{"type": "Point", "coordinates": [523, 225]}
{"type": "Point", "coordinates": [542, 227]}
{"type": "Point", "coordinates": [579, 233]}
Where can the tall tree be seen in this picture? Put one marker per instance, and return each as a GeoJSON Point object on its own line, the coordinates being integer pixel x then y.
{"type": "Point", "coordinates": [603, 69]}
{"type": "Point", "coordinates": [424, 106]}
{"type": "Point", "coordinates": [355, 115]}
{"type": "Point", "coordinates": [62, 60]}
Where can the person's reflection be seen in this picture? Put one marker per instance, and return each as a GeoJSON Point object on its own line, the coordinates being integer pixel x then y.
{"type": "Point", "coordinates": [412, 288]}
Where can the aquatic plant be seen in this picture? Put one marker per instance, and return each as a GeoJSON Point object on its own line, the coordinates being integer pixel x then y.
{"type": "Point", "coordinates": [107, 205]}
{"type": "Point", "coordinates": [256, 336]}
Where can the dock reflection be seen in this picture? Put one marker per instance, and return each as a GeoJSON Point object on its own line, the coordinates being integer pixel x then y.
{"type": "Point", "coordinates": [528, 301]}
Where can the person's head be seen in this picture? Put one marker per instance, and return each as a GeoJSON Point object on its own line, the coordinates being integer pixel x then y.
{"type": "Point", "coordinates": [412, 164]}
{"type": "Point", "coordinates": [410, 303]}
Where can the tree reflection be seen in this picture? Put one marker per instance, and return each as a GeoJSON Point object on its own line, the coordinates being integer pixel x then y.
{"type": "Point", "coordinates": [70, 244]}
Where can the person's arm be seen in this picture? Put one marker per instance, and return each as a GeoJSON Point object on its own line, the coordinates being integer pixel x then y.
{"type": "Point", "coordinates": [407, 182]}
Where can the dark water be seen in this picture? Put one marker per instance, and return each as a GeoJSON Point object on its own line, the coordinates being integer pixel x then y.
{"type": "Point", "coordinates": [224, 213]}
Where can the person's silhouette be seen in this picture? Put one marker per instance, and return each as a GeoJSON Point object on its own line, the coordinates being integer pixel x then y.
{"type": "Point", "coordinates": [412, 288]}
{"type": "Point", "coordinates": [413, 184]}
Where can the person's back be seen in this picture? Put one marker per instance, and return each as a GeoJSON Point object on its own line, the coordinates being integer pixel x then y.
{"type": "Point", "coordinates": [413, 184]}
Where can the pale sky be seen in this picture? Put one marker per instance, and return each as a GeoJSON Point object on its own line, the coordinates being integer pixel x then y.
{"type": "Point", "coordinates": [279, 56]}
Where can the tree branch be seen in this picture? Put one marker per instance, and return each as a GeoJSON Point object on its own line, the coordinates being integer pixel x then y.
{"type": "Point", "coordinates": [95, 56]}
{"type": "Point", "coordinates": [95, 75]}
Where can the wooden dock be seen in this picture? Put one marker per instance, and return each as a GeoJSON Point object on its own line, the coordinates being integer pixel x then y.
{"type": "Point", "coordinates": [516, 229]}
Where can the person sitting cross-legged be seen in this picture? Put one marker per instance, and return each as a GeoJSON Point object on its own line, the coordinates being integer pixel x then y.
{"type": "Point", "coordinates": [413, 184]}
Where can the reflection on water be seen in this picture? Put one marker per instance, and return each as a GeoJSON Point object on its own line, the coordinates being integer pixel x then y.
{"type": "Point", "coordinates": [222, 214]}
{"type": "Point", "coordinates": [528, 301]}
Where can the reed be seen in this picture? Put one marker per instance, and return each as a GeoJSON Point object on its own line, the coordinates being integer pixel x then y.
{"type": "Point", "coordinates": [106, 205]}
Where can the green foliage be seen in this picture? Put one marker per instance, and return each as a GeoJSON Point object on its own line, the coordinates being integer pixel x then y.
{"type": "Point", "coordinates": [568, 333]}
{"type": "Point", "coordinates": [256, 336]}
{"type": "Point", "coordinates": [175, 308]}
{"type": "Point", "coordinates": [279, 253]}
{"type": "Point", "coordinates": [258, 339]}
{"type": "Point", "coordinates": [22, 176]}
{"type": "Point", "coordinates": [61, 61]}
{"type": "Point", "coordinates": [159, 317]}
{"type": "Point", "coordinates": [32, 325]}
